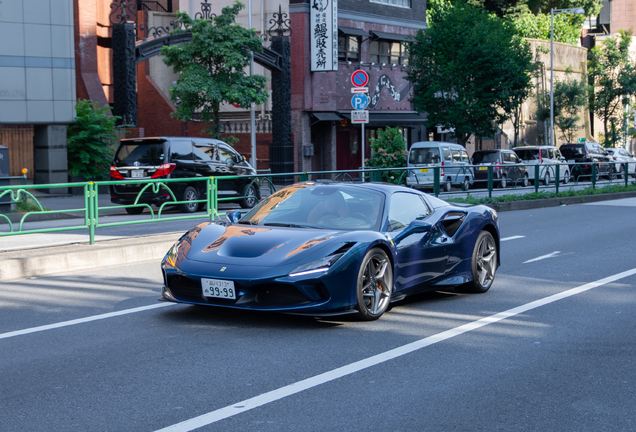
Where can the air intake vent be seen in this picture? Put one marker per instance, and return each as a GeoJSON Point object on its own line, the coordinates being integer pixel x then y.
{"type": "Point", "coordinates": [452, 221]}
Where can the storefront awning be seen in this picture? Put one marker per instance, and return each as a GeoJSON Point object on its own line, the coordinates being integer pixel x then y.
{"type": "Point", "coordinates": [327, 116]}
{"type": "Point", "coordinates": [351, 31]}
{"type": "Point", "coordinates": [392, 118]}
{"type": "Point", "coordinates": [389, 36]}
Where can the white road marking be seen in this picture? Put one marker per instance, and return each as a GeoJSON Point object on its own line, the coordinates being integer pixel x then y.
{"type": "Point", "coordinates": [274, 395]}
{"type": "Point", "coordinates": [82, 320]}
{"type": "Point", "coordinates": [511, 238]}
{"type": "Point", "coordinates": [553, 254]}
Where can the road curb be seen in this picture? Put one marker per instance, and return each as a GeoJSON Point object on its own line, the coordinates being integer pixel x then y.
{"type": "Point", "coordinates": [77, 257]}
{"type": "Point", "coordinates": [556, 202]}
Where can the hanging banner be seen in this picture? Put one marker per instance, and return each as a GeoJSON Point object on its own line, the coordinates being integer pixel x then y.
{"type": "Point", "coordinates": [324, 35]}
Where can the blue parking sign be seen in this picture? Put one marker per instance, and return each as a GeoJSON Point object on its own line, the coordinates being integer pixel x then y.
{"type": "Point", "coordinates": [359, 101]}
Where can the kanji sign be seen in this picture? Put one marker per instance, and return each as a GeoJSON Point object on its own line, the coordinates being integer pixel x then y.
{"type": "Point", "coordinates": [324, 35]}
{"type": "Point", "coordinates": [360, 117]}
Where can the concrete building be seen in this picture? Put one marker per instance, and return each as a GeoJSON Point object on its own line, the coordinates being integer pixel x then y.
{"type": "Point", "coordinates": [37, 83]}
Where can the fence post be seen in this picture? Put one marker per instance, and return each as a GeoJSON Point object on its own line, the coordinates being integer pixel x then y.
{"type": "Point", "coordinates": [212, 197]}
{"type": "Point", "coordinates": [536, 178]}
{"type": "Point", "coordinates": [594, 175]}
{"type": "Point", "coordinates": [626, 173]}
{"type": "Point", "coordinates": [376, 176]}
{"type": "Point", "coordinates": [490, 181]}
{"type": "Point", "coordinates": [92, 211]}
{"type": "Point", "coordinates": [436, 173]}
{"type": "Point", "coordinates": [556, 180]}
{"type": "Point", "coordinates": [304, 177]}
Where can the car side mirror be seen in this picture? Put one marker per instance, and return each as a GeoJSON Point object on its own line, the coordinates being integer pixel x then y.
{"type": "Point", "coordinates": [229, 162]}
{"type": "Point", "coordinates": [233, 216]}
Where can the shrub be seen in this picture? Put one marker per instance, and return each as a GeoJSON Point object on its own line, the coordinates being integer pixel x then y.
{"type": "Point", "coordinates": [389, 152]}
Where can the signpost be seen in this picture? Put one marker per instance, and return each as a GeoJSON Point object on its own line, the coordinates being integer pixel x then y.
{"type": "Point", "coordinates": [359, 102]}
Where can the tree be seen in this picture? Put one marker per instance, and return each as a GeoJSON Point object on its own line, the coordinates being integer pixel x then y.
{"type": "Point", "coordinates": [570, 96]}
{"type": "Point", "coordinates": [89, 145]}
{"type": "Point", "coordinates": [469, 70]}
{"type": "Point", "coordinates": [390, 152]}
{"type": "Point", "coordinates": [212, 67]}
{"type": "Point", "coordinates": [612, 77]}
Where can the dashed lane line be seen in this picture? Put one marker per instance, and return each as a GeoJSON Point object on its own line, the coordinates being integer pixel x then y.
{"type": "Point", "coordinates": [550, 255]}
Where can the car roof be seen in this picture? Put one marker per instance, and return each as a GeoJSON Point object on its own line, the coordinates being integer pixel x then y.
{"type": "Point", "coordinates": [534, 147]}
{"type": "Point", "coordinates": [424, 144]}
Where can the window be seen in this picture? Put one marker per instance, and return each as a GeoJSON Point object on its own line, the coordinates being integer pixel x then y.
{"type": "Point", "coordinates": [388, 52]}
{"type": "Point", "coordinates": [205, 152]}
{"type": "Point", "coordinates": [465, 156]}
{"type": "Point", "coordinates": [398, 3]}
{"type": "Point", "coordinates": [447, 154]}
{"type": "Point", "coordinates": [348, 48]}
{"type": "Point", "coordinates": [405, 208]}
{"type": "Point", "coordinates": [456, 156]}
{"type": "Point", "coordinates": [514, 158]}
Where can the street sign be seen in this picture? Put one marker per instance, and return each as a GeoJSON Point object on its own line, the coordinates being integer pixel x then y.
{"type": "Point", "coordinates": [360, 116]}
{"type": "Point", "coordinates": [359, 89]}
{"type": "Point", "coordinates": [582, 139]}
{"type": "Point", "coordinates": [359, 101]}
{"type": "Point", "coordinates": [359, 78]}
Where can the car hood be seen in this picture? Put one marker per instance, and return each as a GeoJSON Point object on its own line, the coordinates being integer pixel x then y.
{"type": "Point", "coordinates": [253, 245]}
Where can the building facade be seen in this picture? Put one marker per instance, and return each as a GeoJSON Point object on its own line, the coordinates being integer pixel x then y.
{"type": "Point", "coordinates": [37, 85]}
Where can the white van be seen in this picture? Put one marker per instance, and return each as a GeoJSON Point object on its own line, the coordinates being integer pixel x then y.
{"type": "Point", "coordinates": [452, 159]}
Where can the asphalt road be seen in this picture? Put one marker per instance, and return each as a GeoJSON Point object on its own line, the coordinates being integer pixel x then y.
{"type": "Point", "coordinates": [434, 362]}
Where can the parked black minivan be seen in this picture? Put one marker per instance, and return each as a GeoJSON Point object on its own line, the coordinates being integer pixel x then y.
{"type": "Point", "coordinates": [180, 157]}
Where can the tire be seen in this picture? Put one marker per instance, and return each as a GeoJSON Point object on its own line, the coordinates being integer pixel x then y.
{"type": "Point", "coordinates": [249, 190]}
{"type": "Point", "coordinates": [525, 182]}
{"type": "Point", "coordinates": [375, 285]}
{"type": "Point", "coordinates": [619, 174]}
{"type": "Point", "coordinates": [466, 184]}
{"type": "Point", "coordinates": [483, 265]}
{"type": "Point", "coordinates": [566, 177]}
{"type": "Point", "coordinates": [504, 182]}
{"type": "Point", "coordinates": [447, 186]}
{"type": "Point", "coordinates": [546, 179]}
{"type": "Point", "coordinates": [189, 194]}
{"type": "Point", "coordinates": [134, 210]}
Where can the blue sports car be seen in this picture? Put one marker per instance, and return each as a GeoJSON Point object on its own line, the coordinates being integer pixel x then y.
{"type": "Point", "coordinates": [324, 248]}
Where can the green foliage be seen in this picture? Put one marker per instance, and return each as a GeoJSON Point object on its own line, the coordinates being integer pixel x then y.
{"type": "Point", "coordinates": [545, 195]}
{"type": "Point", "coordinates": [90, 141]}
{"type": "Point", "coordinates": [567, 27]}
{"type": "Point", "coordinates": [390, 152]}
{"type": "Point", "coordinates": [570, 96]}
{"type": "Point", "coordinates": [470, 70]}
{"type": "Point", "coordinates": [212, 67]}
{"type": "Point", "coordinates": [612, 76]}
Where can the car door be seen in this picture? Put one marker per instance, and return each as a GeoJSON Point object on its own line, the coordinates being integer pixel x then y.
{"type": "Point", "coordinates": [420, 242]}
{"type": "Point", "coordinates": [181, 155]}
{"type": "Point", "coordinates": [519, 172]}
{"type": "Point", "coordinates": [456, 161]}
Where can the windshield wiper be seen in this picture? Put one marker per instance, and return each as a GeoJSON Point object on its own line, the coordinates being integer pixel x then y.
{"type": "Point", "coordinates": [287, 225]}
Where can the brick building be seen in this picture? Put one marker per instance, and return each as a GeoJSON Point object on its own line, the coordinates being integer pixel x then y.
{"type": "Point", "coordinates": [371, 36]}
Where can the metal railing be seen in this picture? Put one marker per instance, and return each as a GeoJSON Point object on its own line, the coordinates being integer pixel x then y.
{"type": "Point", "coordinates": [91, 211]}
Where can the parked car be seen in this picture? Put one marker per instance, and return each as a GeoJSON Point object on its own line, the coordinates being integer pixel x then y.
{"type": "Point", "coordinates": [621, 156]}
{"type": "Point", "coordinates": [580, 157]}
{"type": "Point", "coordinates": [506, 168]}
{"type": "Point", "coordinates": [179, 157]}
{"type": "Point", "coordinates": [325, 248]}
{"type": "Point", "coordinates": [451, 158]}
{"type": "Point", "coordinates": [546, 156]}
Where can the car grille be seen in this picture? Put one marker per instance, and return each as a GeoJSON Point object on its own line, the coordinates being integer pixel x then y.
{"type": "Point", "coordinates": [269, 295]}
{"type": "Point", "coordinates": [280, 295]}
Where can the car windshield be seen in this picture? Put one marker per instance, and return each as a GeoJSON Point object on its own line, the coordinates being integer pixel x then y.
{"type": "Point", "coordinates": [528, 154]}
{"type": "Point", "coordinates": [310, 205]}
{"type": "Point", "coordinates": [145, 154]}
{"type": "Point", "coordinates": [424, 156]}
{"type": "Point", "coordinates": [485, 157]}
{"type": "Point", "coordinates": [570, 151]}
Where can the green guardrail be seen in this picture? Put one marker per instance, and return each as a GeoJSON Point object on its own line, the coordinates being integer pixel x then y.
{"type": "Point", "coordinates": [91, 211]}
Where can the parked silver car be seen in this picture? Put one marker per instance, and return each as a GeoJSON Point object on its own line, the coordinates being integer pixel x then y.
{"type": "Point", "coordinates": [621, 156]}
{"type": "Point", "coordinates": [452, 159]}
{"type": "Point", "coordinates": [548, 157]}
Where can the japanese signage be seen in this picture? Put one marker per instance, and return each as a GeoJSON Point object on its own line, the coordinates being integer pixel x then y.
{"type": "Point", "coordinates": [324, 35]}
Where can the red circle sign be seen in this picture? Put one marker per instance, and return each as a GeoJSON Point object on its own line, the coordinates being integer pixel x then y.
{"type": "Point", "coordinates": [359, 78]}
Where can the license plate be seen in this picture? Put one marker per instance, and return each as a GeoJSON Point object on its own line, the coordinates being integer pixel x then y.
{"type": "Point", "coordinates": [136, 173]}
{"type": "Point", "coordinates": [483, 168]}
{"type": "Point", "coordinates": [424, 170]}
{"type": "Point", "coordinates": [218, 288]}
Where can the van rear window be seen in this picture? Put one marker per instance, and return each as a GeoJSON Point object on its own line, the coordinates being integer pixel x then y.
{"type": "Point", "coordinates": [145, 154]}
{"type": "Point", "coordinates": [485, 157]}
{"type": "Point", "coordinates": [572, 150]}
{"type": "Point", "coordinates": [424, 156]}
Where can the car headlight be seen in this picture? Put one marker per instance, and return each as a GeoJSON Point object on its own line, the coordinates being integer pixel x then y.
{"type": "Point", "coordinates": [171, 258]}
{"type": "Point", "coordinates": [318, 266]}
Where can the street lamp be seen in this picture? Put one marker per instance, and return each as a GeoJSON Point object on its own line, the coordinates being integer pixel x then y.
{"type": "Point", "coordinates": [577, 11]}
